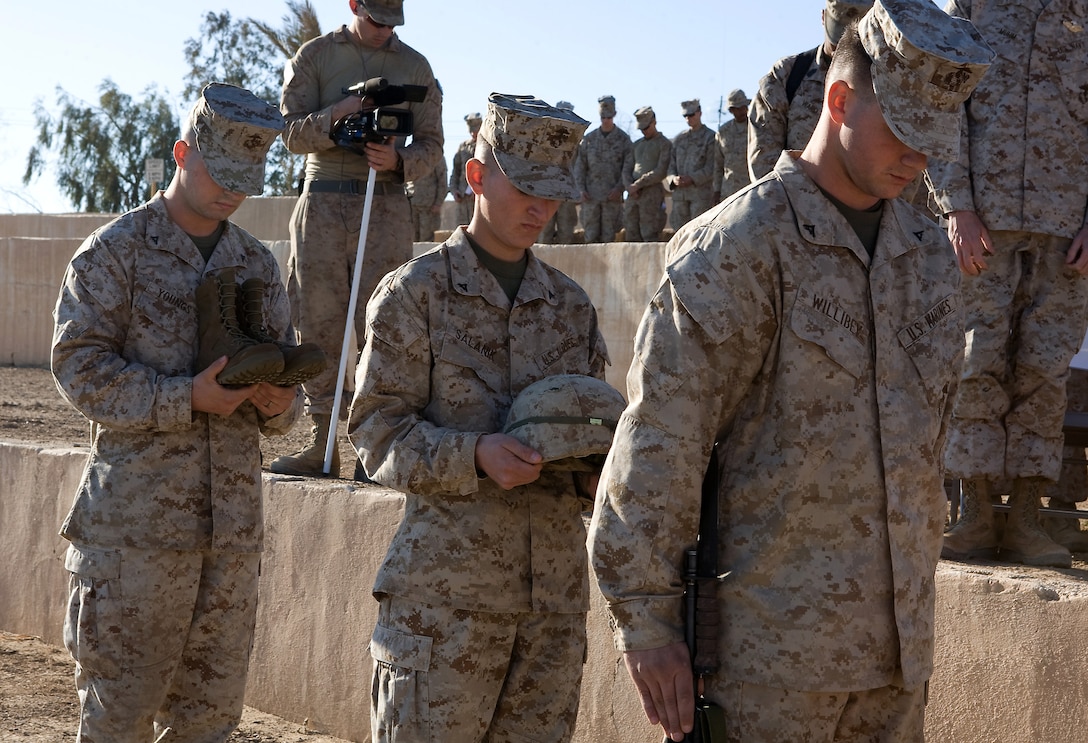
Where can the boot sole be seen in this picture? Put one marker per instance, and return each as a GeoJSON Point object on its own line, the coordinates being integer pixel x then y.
{"type": "Point", "coordinates": [1041, 561]}
{"type": "Point", "coordinates": [286, 469]}
{"type": "Point", "coordinates": [982, 553]}
{"type": "Point", "coordinates": [298, 374]}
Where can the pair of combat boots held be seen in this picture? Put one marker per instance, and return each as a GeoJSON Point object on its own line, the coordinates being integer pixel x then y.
{"type": "Point", "coordinates": [1023, 539]}
{"type": "Point", "coordinates": [231, 324]}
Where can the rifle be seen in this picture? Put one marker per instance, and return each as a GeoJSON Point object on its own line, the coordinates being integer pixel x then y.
{"type": "Point", "coordinates": [702, 619]}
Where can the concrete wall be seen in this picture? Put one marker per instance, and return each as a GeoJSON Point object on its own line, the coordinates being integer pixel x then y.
{"type": "Point", "coordinates": [620, 278]}
{"type": "Point", "coordinates": [1010, 656]}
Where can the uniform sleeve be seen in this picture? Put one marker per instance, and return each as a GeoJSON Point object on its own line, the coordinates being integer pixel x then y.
{"type": "Point", "coordinates": [704, 174]}
{"type": "Point", "coordinates": [768, 123]}
{"type": "Point", "coordinates": [719, 162]}
{"type": "Point", "coordinates": [581, 167]}
{"type": "Point", "coordinates": [398, 446]}
{"type": "Point", "coordinates": [306, 123]}
{"type": "Point", "coordinates": [91, 322]}
{"type": "Point", "coordinates": [661, 167]}
{"type": "Point", "coordinates": [701, 342]}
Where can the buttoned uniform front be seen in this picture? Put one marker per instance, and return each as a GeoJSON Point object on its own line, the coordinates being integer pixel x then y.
{"type": "Point", "coordinates": [1023, 169]}
{"type": "Point", "coordinates": [325, 225]}
{"type": "Point", "coordinates": [777, 122]}
{"type": "Point", "coordinates": [693, 154]}
{"type": "Point", "coordinates": [645, 170]}
{"type": "Point", "coordinates": [731, 161]}
{"type": "Point", "coordinates": [826, 377]}
{"type": "Point", "coordinates": [598, 172]}
{"type": "Point", "coordinates": [170, 498]}
{"type": "Point", "coordinates": [445, 356]}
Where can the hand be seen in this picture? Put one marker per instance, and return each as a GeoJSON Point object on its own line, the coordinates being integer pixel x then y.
{"type": "Point", "coordinates": [382, 155]}
{"type": "Point", "coordinates": [271, 399]}
{"type": "Point", "coordinates": [1077, 255]}
{"type": "Point", "coordinates": [971, 241]}
{"type": "Point", "coordinates": [507, 461]}
{"type": "Point", "coordinates": [208, 396]}
{"type": "Point", "coordinates": [616, 194]}
{"type": "Point", "coordinates": [684, 181]}
{"type": "Point", "coordinates": [349, 105]}
{"type": "Point", "coordinates": [665, 686]}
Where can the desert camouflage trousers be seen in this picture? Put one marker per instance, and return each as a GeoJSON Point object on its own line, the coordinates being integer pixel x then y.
{"type": "Point", "coordinates": [161, 641]}
{"type": "Point", "coordinates": [601, 220]}
{"type": "Point", "coordinates": [560, 228]}
{"type": "Point", "coordinates": [454, 675]}
{"type": "Point", "coordinates": [689, 203]}
{"type": "Point", "coordinates": [1026, 318]}
{"type": "Point", "coordinates": [644, 215]}
{"type": "Point", "coordinates": [464, 209]}
{"type": "Point", "coordinates": [425, 222]}
{"type": "Point", "coordinates": [761, 714]}
{"type": "Point", "coordinates": [324, 243]}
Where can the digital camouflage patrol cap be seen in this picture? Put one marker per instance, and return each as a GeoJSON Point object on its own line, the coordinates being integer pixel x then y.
{"type": "Point", "coordinates": [534, 144]}
{"type": "Point", "coordinates": [234, 130]}
{"type": "Point", "coordinates": [645, 116]}
{"type": "Point", "coordinates": [840, 13]}
{"type": "Point", "coordinates": [736, 99]}
{"type": "Point", "coordinates": [607, 106]}
{"type": "Point", "coordinates": [925, 65]}
{"type": "Point", "coordinates": [385, 12]}
{"type": "Point", "coordinates": [568, 418]}
{"type": "Point", "coordinates": [474, 120]}
{"type": "Point", "coordinates": [691, 107]}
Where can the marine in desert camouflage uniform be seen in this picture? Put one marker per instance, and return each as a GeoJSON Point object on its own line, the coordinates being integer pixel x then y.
{"type": "Point", "coordinates": [561, 227]}
{"type": "Point", "coordinates": [644, 173]}
{"type": "Point", "coordinates": [777, 121]}
{"type": "Point", "coordinates": [166, 527]}
{"type": "Point", "coordinates": [483, 591]}
{"type": "Point", "coordinates": [327, 218]}
{"type": "Point", "coordinates": [812, 327]}
{"type": "Point", "coordinates": [426, 196]}
{"type": "Point", "coordinates": [1015, 201]}
{"type": "Point", "coordinates": [731, 163]}
{"type": "Point", "coordinates": [598, 171]}
{"type": "Point", "coordinates": [692, 166]}
{"type": "Point", "coordinates": [459, 189]}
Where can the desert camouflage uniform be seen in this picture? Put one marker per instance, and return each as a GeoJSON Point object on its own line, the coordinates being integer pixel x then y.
{"type": "Point", "coordinates": [1023, 170]}
{"type": "Point", "coordinates": [445, 355]}
{"type": "Point", "coordinates": [559, 230]}
{"type": "Point", "coordinates": [458, 185]}
{"type": "Point", "coordinates": [826, 376]}
{"type": "Point", "coordinates": [731, 163]}
{"type": "Point", "coordinates": [166, 526]}
{"type": "Point", "coordinates": [776, 123]}
{"type": "Point", "coordinates": [693, 155]}
{"type": "Point", "coordinates": [325, 226]}
{"type": "Point", "coordinates": [645, 168]}
{"type": "Point", "coordinates": [424, 194]}
{"type": "Point", "coordinates": [598, 172]}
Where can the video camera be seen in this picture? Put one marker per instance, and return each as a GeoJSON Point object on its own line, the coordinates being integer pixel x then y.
{"type": "Point", "coordinates": [376, 123]}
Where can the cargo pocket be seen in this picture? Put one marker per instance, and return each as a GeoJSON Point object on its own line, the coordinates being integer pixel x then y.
{"type": "Point", "coordinates": [92, 625]}
{"type": "Point", "coordinates": [399, 697]}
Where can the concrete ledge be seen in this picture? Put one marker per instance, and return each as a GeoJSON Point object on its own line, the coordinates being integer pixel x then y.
{"type": "Point", "coordinates": [1010, 655]}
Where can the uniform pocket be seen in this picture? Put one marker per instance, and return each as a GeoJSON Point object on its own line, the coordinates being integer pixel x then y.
{"type": "Point", "coordinates": [92, 625]}
{"type": "Point", "coordinates": [400, 699]}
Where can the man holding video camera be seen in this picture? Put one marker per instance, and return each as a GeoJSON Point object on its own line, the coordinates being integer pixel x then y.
{"type": "Point", "coordinates": [327, 218]}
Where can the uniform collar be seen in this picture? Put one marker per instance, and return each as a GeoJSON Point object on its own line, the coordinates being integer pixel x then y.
{"type": "Point", "coordinates": [469, 277]}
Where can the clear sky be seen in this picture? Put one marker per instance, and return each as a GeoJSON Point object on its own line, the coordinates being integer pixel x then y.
{"type": "Point", "coordinates": [641, 52]}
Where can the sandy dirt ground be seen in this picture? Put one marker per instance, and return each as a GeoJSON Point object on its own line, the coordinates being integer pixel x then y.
{"type": "Point", "coordinates": [38, 702]}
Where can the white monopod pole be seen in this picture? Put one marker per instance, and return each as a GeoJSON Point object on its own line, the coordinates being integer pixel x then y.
{"type": "Point", "coordinates": [349, 324]}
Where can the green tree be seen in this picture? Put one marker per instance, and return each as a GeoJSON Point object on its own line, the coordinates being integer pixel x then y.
{"type": "Point", "coordinates": [100, 149]}
{"type": "Point", "coordinates": [252, 54]}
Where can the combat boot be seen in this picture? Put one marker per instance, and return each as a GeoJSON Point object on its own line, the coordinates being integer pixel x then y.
{"type": "Point", "coordinates": [1065, 530]}
{"type": "Point", "coordinates": [310, 461]}
{"type": "Point", "coordinates": [300, 362]}
{"type": "Point", "coordinates": [249, 361]}
{"type": "Point", "coordinates": [972, 537]}
{"type": "Point", "coordinates": [1025, 541]}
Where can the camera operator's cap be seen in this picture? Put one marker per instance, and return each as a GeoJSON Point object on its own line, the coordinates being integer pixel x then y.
{"type": "Point", "coordinates": [645, 116]}
{"type": "Point", "coordinates": [385, 12]}
{"type": "Point", "coordinates": [839, 13]}
{"type": "Point", "coordinates": [234, 130]}
{"type": "Point", "coordinates": [568, 418]}
{"type": "Point", "coordinates": [925, 65]}
{"type": "Point", "coordinates": [736, 99]}
{"type": "Point", "coordinates": [607, 106]}
{"type": "Point", "coordinates": [534, 144]}
{"type": "Point", "coordinates": [691, 107]}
